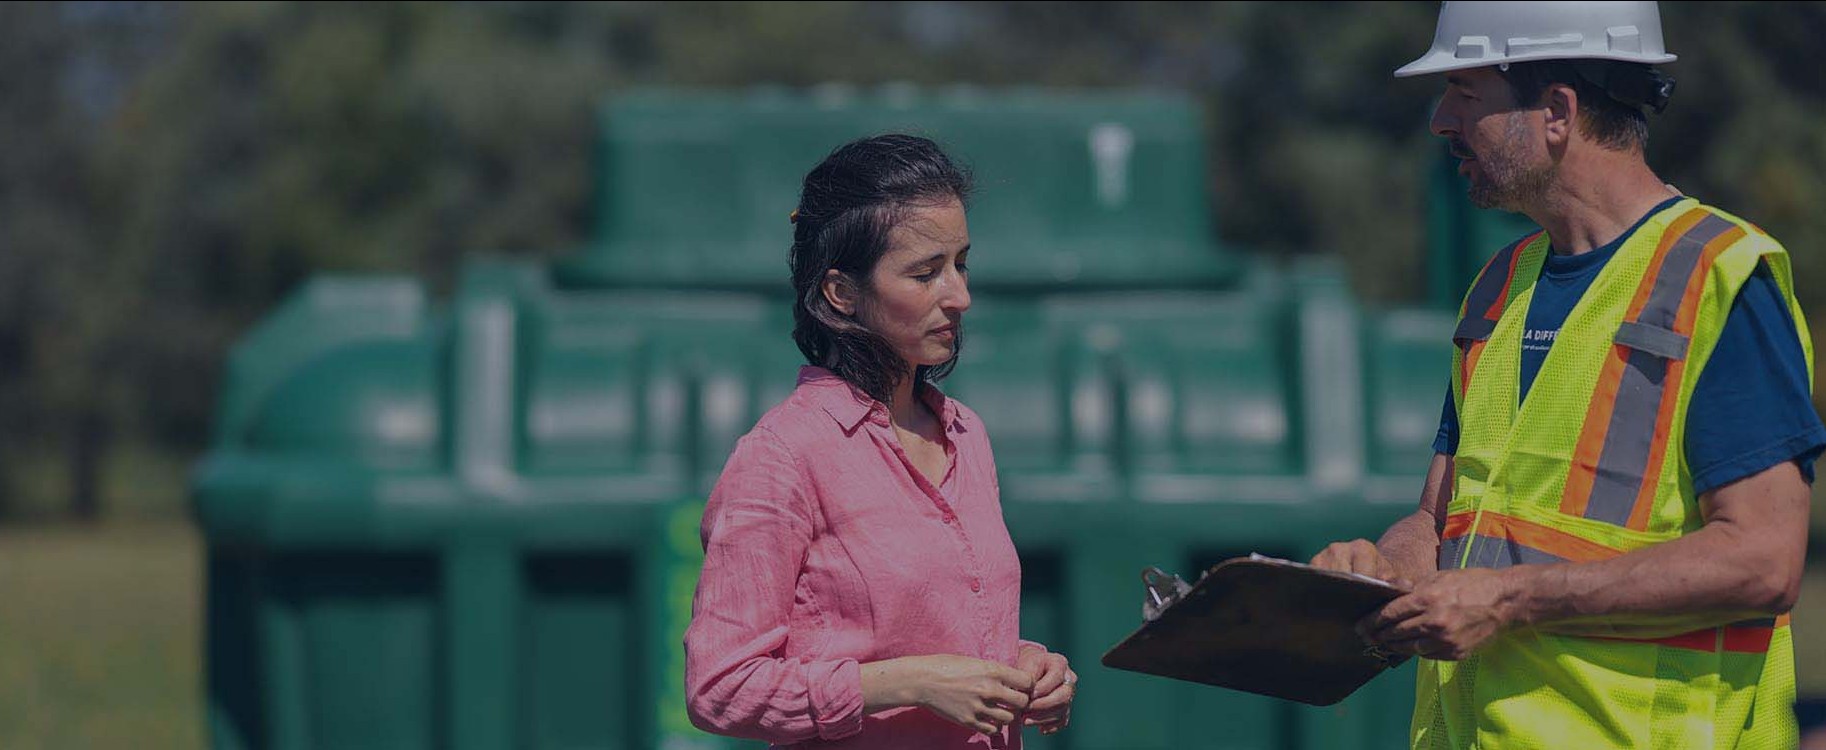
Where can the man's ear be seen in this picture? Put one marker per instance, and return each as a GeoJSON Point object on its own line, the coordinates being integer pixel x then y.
{"type": "Point", "coordinates": [1562, 113]}
{"type": "Point", "coordinates": [840, 292]}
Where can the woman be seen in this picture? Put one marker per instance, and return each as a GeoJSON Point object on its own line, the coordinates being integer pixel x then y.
{"type": "Point", "coordinates": [859, 587]}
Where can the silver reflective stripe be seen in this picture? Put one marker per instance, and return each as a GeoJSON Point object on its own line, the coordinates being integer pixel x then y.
{"type": "Point", "coordinates": [1474, 329]}
{"type": "Point", "coordinates": [1677, 269]}
{"type": "Point", "coordinates": [1490, 286]}
{"type": "Point", "coordinates": [1627, 444]}
{"type": "Point", "coordinates": [1490, 552]}
{"type": "Point", "coordinates": [1633, 417]}
{"type": "Point", "coordinates": [1451, 551]}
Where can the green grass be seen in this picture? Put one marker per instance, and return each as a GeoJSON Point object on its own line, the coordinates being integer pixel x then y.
{"type": "Point", "coordinates": [100, 633]}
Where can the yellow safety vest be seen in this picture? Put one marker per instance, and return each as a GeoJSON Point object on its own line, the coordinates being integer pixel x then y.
{"type": "Point", "coordinates": [1590, 467]}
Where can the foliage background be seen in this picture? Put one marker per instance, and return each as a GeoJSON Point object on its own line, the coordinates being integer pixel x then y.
{"type": "Point", "coordinates": [169, 172]}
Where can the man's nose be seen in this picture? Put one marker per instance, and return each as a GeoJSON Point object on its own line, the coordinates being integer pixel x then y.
{"type": "Point", "coordinates": [1443, 124]}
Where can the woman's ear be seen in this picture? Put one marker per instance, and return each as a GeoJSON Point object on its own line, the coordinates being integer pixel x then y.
{"type": "Point", "coordinates": [840, 292]}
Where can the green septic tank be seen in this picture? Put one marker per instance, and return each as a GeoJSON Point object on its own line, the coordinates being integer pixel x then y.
{"type": "Point", "coordinates": [473, 524]}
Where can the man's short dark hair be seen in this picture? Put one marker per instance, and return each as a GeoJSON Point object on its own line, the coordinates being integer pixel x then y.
{"type": "Point", "coordinates": [1603, 86]}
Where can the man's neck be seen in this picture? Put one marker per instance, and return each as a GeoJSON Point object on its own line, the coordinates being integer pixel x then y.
{"type": "Point", "coordinates": [1595, 200]}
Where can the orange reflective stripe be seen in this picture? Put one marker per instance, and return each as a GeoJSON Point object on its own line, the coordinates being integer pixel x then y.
{"type": "Point", "coordinates": [1495, 310]}
{"type": "Point", "coordinates": [1490, 292]}
{"type": "Point", "coordinates": [1472, 352]}
{"type": "Point", "coordinates": [1684, 321]}
{"type": "Point", "coordinates": [1623, 442]}
{"type": "Point", "coordinates": [1748, 640]}
{"type": "Point", "coordinates": [1458, 524]}
{"type": "Point", "coordinates": [1514, 541]}
{"type": "Point", "coordinates": [1526, 540]}
{"type": "Point", "coordinates": [1752, 637]}
{"type": "Point", "coordinates": [1585, 454]}
{"type": "Point", "coordinates": [1676, 230]}
{"type": "Point", "coordinates": [1484, 306]}
{"type": "Point", "coordinates": [1547, 539]}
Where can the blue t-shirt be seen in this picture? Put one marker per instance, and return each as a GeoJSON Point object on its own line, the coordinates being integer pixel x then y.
{"type": "Point", "coordinates": [1751, 409]}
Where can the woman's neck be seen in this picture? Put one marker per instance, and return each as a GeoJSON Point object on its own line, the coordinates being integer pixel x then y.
{"type": "Point", "coordinates": [905, 409]}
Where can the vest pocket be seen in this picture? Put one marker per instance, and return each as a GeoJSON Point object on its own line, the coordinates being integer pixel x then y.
{"type": "Point", "coordinates": [1652, 339]}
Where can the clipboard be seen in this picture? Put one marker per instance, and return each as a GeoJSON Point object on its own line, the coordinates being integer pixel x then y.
{"type": "Point", "coordinates": [1262, 625]}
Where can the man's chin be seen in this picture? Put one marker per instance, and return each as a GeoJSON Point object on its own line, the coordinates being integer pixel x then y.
{"type": "Point", "coordinates": [1483, 197]}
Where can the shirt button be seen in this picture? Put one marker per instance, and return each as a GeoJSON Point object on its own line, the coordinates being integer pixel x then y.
{"type": "Point", "coordinates": [976, 586]}
{"type": "Point", "coordinates": [950, 517]}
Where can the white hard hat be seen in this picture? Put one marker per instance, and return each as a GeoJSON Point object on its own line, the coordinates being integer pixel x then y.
{"type": "Point", "coordinates": [1476, 34]}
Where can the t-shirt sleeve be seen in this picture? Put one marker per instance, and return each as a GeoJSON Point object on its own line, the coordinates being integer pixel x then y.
{"type": "Point", "coordinates": [1753, 405]}
{"type": "Point", "coordinates": [1447, 440]}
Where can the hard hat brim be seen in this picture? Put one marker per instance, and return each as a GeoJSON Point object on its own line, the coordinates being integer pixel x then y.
{"type": "Point", "coordinates": [1444, 62]}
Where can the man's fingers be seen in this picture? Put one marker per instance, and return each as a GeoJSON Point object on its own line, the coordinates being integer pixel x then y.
{"type": "Point", "coordinates": [1336, 556]}
{"type": "Point", "coordinates": [1430, 648]}
{"type": "Point", "coordinates": [1399, 630]}
{"type": "Point", "coordinates": [1355, 556]}
{"type": "Point", "coordinates": [1401, 609]}
{"type": "Point", "coordinates": [1409, 646]}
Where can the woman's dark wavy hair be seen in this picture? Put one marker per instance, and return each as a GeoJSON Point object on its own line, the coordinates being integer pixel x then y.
{"type": "Point", "coordinates": [847, 207]}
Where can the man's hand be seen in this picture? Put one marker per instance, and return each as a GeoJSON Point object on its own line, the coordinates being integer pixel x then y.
{"type": "Point", "coordinates": [1054, 687]}
{"type": "Point", "coordinates": [1358, 556]}
{"type": "Point", "coordinates": [1447, 616]}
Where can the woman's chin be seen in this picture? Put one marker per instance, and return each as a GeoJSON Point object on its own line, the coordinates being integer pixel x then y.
{"type": "Point", "coordinates": [934, 356]}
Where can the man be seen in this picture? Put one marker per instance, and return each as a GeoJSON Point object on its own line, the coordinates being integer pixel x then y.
{"type": "Point", "coordinates": [1614, 525]}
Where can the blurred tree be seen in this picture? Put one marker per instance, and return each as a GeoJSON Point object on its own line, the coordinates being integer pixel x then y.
{"type": "Point", "coordinates": [171, 171]}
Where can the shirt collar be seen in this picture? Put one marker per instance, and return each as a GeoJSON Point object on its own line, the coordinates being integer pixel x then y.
{"type": "Point", "coordinates": [850, 406]}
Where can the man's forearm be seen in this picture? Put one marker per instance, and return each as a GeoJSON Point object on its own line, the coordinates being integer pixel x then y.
{"type": "Point", "coordinates": [1743, 564]}
{"type": "Point", "coordinates": [1412, 545]}
{"type": "Point", "coordinates": [1695, 582]}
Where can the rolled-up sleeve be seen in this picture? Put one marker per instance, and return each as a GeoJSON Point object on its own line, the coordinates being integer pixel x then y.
{"type": "Point", "coordinates": [756, 531]}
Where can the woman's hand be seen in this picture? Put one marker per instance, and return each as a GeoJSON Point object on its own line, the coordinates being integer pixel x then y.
{"type": "Point", "coordinates": [1054, 687]}
{"type": "Point", "coordinates": [981, 695]}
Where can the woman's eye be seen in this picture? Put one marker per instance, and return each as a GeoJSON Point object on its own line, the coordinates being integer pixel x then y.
{"type": "Point", "coordinates": [927, 276]}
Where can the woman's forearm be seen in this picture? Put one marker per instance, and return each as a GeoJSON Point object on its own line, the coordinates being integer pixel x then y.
{"type": "Point", "coordinates": [889, 684]}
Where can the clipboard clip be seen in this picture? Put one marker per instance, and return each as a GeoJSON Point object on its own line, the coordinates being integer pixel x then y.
{"type": "Point", "coordinates": [1163, 590]}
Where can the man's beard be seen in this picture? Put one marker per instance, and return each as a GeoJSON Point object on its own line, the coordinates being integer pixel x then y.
{"type": "Point", "coordinates": [1508, 183]}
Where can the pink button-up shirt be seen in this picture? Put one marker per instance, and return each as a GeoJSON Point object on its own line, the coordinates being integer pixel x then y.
{"type": "Point", "coordinates": [824, 548]}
